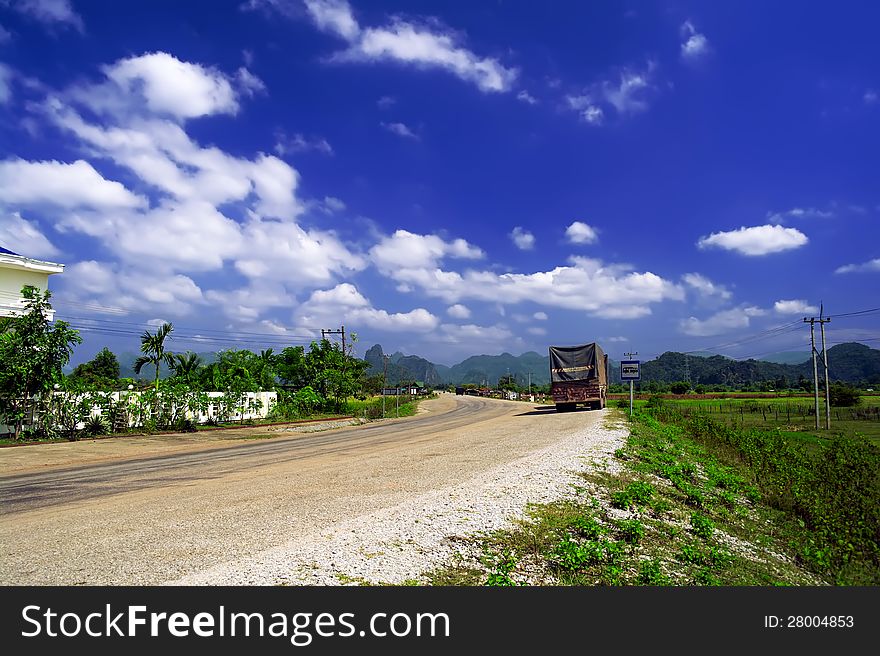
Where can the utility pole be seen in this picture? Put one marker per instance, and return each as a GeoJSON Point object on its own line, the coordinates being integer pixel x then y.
{"type": "Point", "coordinates": [821, 321]}
{"type": "Point", "coordinates": [384, 381]}
{"type": "Point", "coordinates": [629, 357]}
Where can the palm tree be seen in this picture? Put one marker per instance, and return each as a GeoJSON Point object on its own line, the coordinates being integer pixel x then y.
{"type": "Point", "coordinates": [186, 365]}
{"type": "Point", "coordinates": [153, 349]}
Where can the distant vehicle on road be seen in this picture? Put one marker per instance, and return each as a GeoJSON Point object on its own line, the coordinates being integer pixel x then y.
{"type": "Point", "coordinates": [578, 376]}
{"type": "Point", "coordinates": [459, 390]}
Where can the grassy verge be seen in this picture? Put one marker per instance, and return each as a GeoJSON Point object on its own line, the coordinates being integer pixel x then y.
{"type": "Point", "coordinates": [689, 505]}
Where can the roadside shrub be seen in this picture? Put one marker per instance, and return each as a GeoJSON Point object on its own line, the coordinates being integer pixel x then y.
{"type": "Point", "coordinates": [844, 396]}
{"type": "Point", "coordinates": [702, 526]}
{"type": "Point", "coordinates": [96, 426]}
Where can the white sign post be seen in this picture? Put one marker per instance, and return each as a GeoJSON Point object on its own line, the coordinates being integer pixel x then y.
{"type": "Point", "coordinates": [631, 371]}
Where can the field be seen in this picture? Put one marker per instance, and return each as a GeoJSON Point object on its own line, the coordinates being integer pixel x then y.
{"type": "Point", "coordinates": [793, 416]}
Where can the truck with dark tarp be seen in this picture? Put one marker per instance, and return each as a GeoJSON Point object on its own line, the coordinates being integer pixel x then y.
{"type": "Point", "coordinates": [578, 376]}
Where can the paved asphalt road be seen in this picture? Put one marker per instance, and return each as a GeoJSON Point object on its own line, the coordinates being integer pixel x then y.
{"type": "Point", "coordinates": [144, 511]}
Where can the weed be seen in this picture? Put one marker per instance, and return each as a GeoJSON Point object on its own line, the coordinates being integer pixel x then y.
{"type": "Point", "coordinates": [651, 573]}
{"type": "Point", "coordinates": [702, 526]}
{"type": "Point", "coordinates": [502, 565]}
{"type": "Point", "coordinates": [632, 530]}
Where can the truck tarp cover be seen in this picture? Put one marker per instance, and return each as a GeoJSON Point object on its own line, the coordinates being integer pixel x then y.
{"type": "Point", "coordinates": [577, 363]}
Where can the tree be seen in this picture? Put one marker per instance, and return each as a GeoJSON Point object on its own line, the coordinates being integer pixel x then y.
{"type": "Point", "coordinates": [186, 366]}
{"type": "Point", "coordinates": [100, 371]}
{"type": "Point", "coordinates": [153, 349]}
{"type": "Point", "coordinates": [32, 354]}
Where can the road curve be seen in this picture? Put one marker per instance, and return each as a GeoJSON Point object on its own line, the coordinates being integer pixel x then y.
{"type": "Point", "coordinates": [144, 520]}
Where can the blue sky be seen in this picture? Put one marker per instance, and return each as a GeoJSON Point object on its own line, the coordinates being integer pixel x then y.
{"type": "Point", "coordinates": [447, 178]}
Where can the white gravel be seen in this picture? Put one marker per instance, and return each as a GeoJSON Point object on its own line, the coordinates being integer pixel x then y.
{"type": "Point", "coordinates": [404, 541]}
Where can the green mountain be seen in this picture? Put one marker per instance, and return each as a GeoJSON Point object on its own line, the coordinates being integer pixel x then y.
{"type": "Point", "coordinates": [401, 367]}
{"type": "Point", "coordinates": [787, 357]}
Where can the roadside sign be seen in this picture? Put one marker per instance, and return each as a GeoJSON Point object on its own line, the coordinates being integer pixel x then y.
{"type": "Point", "coordinates": [630, 370]}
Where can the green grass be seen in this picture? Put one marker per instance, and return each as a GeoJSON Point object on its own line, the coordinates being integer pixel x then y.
{"type": "Point", "coordinates": [700, 510]}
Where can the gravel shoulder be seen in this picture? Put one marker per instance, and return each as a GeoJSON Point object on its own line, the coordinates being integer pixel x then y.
{"type": "Point", "coordinates": [377, 503]}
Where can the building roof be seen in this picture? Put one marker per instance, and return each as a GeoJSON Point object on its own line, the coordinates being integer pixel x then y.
{"type": "Point", "coordinates": [7, 251]}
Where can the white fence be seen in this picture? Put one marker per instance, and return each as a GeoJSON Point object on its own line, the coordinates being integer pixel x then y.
{"type": "Point", "coordinates": [251, 405]}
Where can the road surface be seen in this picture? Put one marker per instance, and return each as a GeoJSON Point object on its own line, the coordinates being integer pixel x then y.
{"type": "Point", "coordinates": [135, 511]}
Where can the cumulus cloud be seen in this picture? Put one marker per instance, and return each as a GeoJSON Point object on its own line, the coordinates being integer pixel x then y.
{"type": "Point", "coordinates": [581, 233]}
{"type": "Point", "coordinates": [458, 311]}
{"type": "Point", "coordinates": [756, 240]}
{"type": "Point", "coordinates": [386, 102]}
{"type": "Point", "coordinates": [721, 322]}
{"type": "Point", "coordinates": [695, 45]}
{"type": "Point", "coordinates": [406, 250]}
{"type": "Point", "coordinates": [345, 303]}
{"type": "Point", "coordinates": [400, 129]}
{"type": "Point", "coordinates": [794, 307]}
{"type": "Point", "coordinates": [705, 287]}
{"type": "Point", "coordinates": [523, 239]}
{"type": "Point", "coordinates": [208, 210]}
{"type": "Point", "coordinates": [540, 316]}
{"type": "Point", "coordinates": [64, 185]}
{"type": "Point", "coordinates": [606, 290]}
{"type": "Point", "coordinates": [24, 237]}
{"type": "Point", "coordinates": [408, 43]}
{"type": "Point", "coordinates": [865, 267]}
{"type": "Point", "coordinates": [618, 339]}
{"type": "Point", "coordinates": [526, 97]}
{"type": "Point", "coordinates": [163, 85]}
{"type": "Point", "coordinates": [121, 287]}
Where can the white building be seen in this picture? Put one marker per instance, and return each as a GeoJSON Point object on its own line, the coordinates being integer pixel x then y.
{"type": "Point", "coordinates": [16, 271]}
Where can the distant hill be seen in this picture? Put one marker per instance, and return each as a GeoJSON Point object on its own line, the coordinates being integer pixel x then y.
{"type": "Point", "coordinates": [787, 357]}
{"type": "Point", "coordinates": [479, 369]}
{"type": "Point", "coordinates": [401, 367]}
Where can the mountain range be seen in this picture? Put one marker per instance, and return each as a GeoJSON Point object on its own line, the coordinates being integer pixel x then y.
{"type": "Point", "coordinates": [850, 362]}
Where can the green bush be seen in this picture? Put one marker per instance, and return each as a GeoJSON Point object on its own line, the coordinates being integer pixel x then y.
{"type": "Point", "coordinates": [844, 396]}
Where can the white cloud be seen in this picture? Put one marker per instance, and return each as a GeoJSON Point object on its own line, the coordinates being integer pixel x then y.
{"type": "Point", "coordinates": [64, 185]}
{"type": "Point", "coordinates": [581, 233]}
{"type": "Point", "coordinates": [721, 322]}
{"type": "Point", "coordinates": [129, 289]}
{"type": "Point", "coordinates": [344, 303]}
{"type": "Point", "coordinates": [50, 12]}
{"type": "Point", "coordinates": [400, 129]}
{"type": "Point", "coordinates": [406, 250]}
{"type": "Point", "coordinates": [407, 43]}
{"type": "Point", "coordinates": [799, 213]}
{"type": "Point", "coordinates": [386, 102]}
{"type": "Point", "coordinates": [706, 287]}
{"type": "Point", "coordinates": [696, 45]}
{"type": "Point", "coordinates": [156, 323]}
{"type": "Point", "coordinates": [249, 83]}
{"type": "Point", "coordinates": [536, 330]}
{"type": "Point", "coordinates": [334, 16]}
{"type": "Point", "coordinates": [866, 267]}
{"type": "Point", "coordinates": [526, 97]}
{"type": "Point", "coordinates": [299, 143]}
{"type": "Point", "coordinates": [458, 311]}
{"type": "Point", "coordinates": [24, 237]}
{"type": "Point", "coordinates": [589, 285]}
{"type": "Point", "coordinates": [870, 97]}
{"type": "Point", "coordinates": [794, 307]}
{"type": "Point", "coordinates": [618, 339]}
{"type": "Point", "coordinates": [628, 94]}
{"type": "Point", "coordinates": [540, 316]}
{"type": "Point", "coordinates": [165, 85]}
{"type": "Point", "coordinates": [5, 35]}
{"type": "Point", "coordinates": [332, 205]}
{"type": "Point", "coordinates": [756, 240]}
{"type": "Point", "coordinates": [523, 239]}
